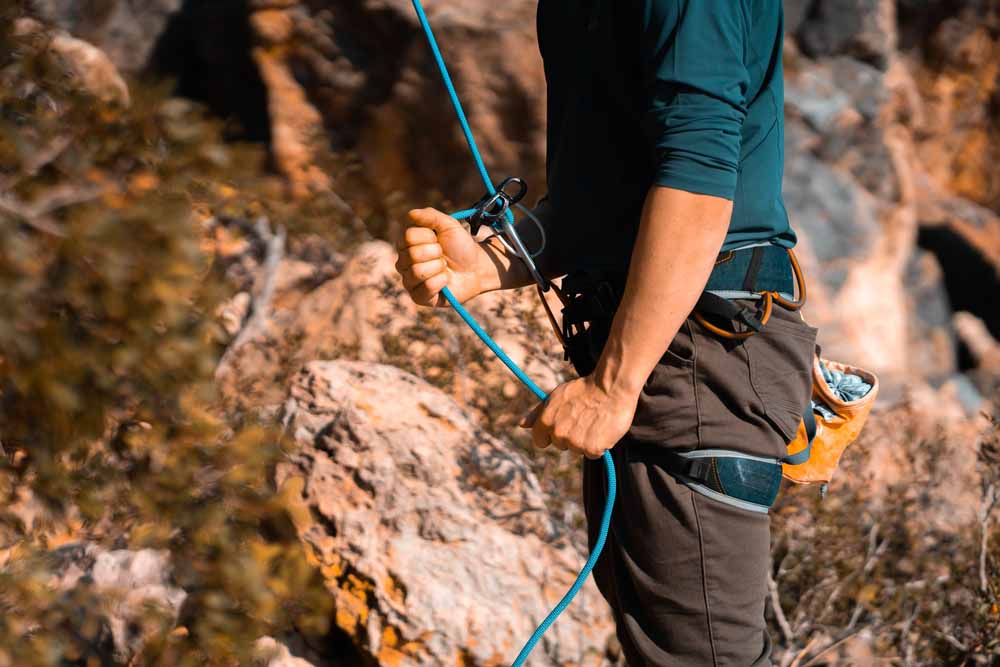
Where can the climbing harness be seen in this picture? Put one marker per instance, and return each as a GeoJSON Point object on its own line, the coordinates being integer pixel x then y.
{"type": "Point", "coordinates": [761, 272]}
{"type": "Point", "coordinates": [494, 211]}
{"type": "Point", "coordinates": [753, 281]}
{"type": "Point", "coordinates": [842, 396]}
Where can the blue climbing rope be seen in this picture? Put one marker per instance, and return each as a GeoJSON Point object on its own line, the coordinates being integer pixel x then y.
{"type": "Point", "coordinates": [609, 465]}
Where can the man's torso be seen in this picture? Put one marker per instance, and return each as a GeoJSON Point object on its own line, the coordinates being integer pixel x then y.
{"type": "Point", "coordinates": [600, 163]}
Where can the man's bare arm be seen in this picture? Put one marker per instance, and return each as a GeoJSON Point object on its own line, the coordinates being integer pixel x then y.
{"type": "Point", "coordinates": [680, 235]}
{"type": "Point", "coordinates": [679, 238]}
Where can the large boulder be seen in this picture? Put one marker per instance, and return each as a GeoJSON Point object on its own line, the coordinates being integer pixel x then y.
{"type": "Point", "coordinates": [434, 537]}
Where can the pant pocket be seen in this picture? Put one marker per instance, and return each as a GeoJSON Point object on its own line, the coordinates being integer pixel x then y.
{"type": "Point", "coordinates": [780, 359]}
{"type": "Point", "coordinates": [667, 413]}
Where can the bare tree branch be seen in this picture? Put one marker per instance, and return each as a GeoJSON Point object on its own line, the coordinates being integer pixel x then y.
{"type": "Point", "coordinates": [904, 633]}
{"type": "Point", "coordinates": [834, 644]}
{"type": "Point", "coordinates": [47, 154]}
{"type": "Point", "coordinates": [989, 501]}
{"type": "Point", "coordinates": [260, 307]}
{"type": "Point", "coordinates": [347, 211]}
{"type": "Point", "coordinates": [804, 652]}
{"type": "Point", "coordinates": [951, 639]}
{"type": "Point", "coordinates": [35, 214]}
{"type": "Point", "coordinates": [779, 613]}
{"type": "Point", "coordinates": [39, 159]}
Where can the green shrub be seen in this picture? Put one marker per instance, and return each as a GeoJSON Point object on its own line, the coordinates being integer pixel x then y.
{"type": "Point", "coordinates": [108, 415]}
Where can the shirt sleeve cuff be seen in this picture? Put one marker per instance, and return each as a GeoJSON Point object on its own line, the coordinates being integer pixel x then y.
{"type": "Point", "coordinates": [724, 186]}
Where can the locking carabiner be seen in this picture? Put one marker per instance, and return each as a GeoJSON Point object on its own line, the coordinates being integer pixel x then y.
{"type": "Point", "coordinates": [492, 208]}
{"type": "Point", "coordinates": [492, 211]}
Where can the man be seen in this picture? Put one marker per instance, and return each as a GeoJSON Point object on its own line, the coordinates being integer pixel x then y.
{"type": "Point", "coordinates": [665, 149]}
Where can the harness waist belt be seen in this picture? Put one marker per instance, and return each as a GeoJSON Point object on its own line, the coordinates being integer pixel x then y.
{"type": "Point", "coordinates": [762, 268]}
{"type": "Point", "coordinates": [738, 274]}
{"type": "Point", "coordinates": [736, 479]}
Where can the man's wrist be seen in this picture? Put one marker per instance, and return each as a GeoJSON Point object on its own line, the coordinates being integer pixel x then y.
{"type": "Point", "coordinates": [498, 270]}
{"type": "Point", "coordinates": [616, 375]}
{"type": "Point", "coordinates": [489, 273]}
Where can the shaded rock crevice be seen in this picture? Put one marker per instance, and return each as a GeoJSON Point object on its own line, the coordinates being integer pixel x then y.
{"type": "Point", "coordinates": [971, 280]}
{"type": "Point", "coordinates": [206, 48]}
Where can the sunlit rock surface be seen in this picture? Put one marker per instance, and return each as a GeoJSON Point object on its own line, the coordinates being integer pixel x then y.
{"type": "Point", "coordinates": [434, 536]}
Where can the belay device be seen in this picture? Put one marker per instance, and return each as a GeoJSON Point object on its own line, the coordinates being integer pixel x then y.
{"type": "Point", "coordinates": [494, 211]}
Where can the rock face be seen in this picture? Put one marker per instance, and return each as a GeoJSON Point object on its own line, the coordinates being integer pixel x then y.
{"type": "Point", "coordinates": [369, 73]}
{"type": "Point", "coordinates": [871, 188]}
{"type": "Point", "coordinates": [865, 29]}
{"type": "Point", "coordinates": [329, 307]}
{"type": "Point", "coordinates": [434, 536]}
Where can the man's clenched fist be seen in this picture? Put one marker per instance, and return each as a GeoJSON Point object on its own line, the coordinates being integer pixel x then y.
{"type": "Point", "coordinates": [437, 251]}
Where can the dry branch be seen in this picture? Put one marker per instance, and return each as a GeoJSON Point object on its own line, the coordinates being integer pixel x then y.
{"type": "Point", "coordinates": [260, 306]}
{"type": "Point", "coordinates": [990, 498]}
{"type": "Point", "coordinates": [36, 213]}
{"type": "Point", "coordinates": [779, 613]}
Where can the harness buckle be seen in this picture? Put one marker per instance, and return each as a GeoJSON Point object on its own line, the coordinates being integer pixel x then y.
{"type": "Point", "coordinates": [747, 317]}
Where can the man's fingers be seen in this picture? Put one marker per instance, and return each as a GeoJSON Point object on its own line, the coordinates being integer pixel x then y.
{"type": "Point", "coordinates": [433, 219]}
{"type": "Point", "coordinates": [415, 254]}
{"type": "Point", "coordinates": [560, 437]}
{"type": "Point", "coordinates": [414, 275]}
{"type": "Point", "coordinates": [417, 236]}
{"type": "Point", "coordinates": [529, 419]}
{"type": "Point", "coordinates": [540, 436]}
{"type": "Point", "coordinates": [541, 431]}
{"type": "Point", "coordinates": [427, 291]}
{"type": "Point", "coordinates": [427, 270]}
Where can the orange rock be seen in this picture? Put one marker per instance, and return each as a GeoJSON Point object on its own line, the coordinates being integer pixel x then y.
{"type": "Point", "coordinates": [144, 181]}
{"type": "Point", "coordinates": [273, 26]}
{"type": "Point", "coordinates": [296, 126]}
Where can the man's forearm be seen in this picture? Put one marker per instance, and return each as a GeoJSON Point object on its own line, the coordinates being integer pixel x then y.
{"type": "Point", "coordinates": [508, 271]}
{"type": "Point", "coordinates": [680, 235]}
{"type": "Point", "coordinates": [502, 270]}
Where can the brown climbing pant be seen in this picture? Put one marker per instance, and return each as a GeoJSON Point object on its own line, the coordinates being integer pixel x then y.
{"type": "Point", "coordinates": [685, 575]}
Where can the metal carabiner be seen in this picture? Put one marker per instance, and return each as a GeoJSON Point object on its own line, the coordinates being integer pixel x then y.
{"type": "Point", "coordinates": [514, 239]}
{"type": "Point", "coordinates": [492, 208]}
{"type": "Point", "coordinates": [492, 211]}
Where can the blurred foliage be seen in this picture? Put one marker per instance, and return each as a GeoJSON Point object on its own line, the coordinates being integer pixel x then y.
{"type": "Point", "coordinates": [880, 568]}
{"type": "Point", "coordinates": [110, 425]}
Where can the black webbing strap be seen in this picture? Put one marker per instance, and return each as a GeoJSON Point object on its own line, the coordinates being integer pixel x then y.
{"type": "Point", "coordinates": [750, 280]}
{"type": "Point", "coordinates": [730, 311]}
{"type": "Point", "coordinates": [700, 470]}
{"type": "Point", "coordinates": [809, 419]}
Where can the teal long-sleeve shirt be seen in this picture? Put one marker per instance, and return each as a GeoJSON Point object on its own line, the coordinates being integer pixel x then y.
{"type": "Point", "coordinates": [686, 94]}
